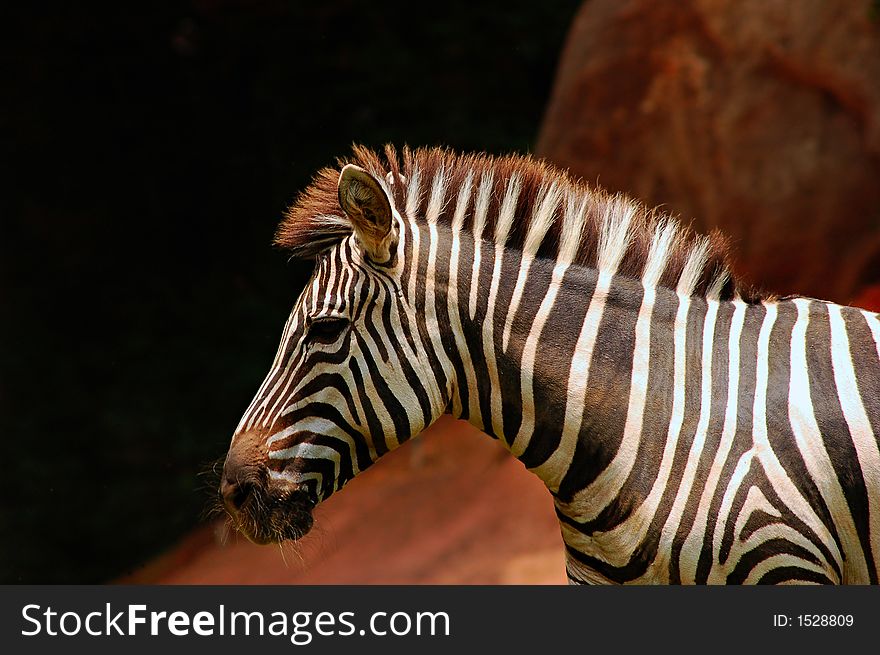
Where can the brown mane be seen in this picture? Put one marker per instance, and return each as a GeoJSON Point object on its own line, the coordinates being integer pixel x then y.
{"type": "Point", "coordinates": [315, 221]}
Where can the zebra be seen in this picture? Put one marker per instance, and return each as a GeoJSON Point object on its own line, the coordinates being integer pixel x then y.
{"type": "Point", "coordinates": [690, 429]}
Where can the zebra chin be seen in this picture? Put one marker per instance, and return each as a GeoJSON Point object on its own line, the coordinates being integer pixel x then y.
{"type": "Point", "coordinates": [264, 500]}
{"type": "Point", "coordinates": [267, 509]}
{"type": "Point", "coordinates": [273, 514]}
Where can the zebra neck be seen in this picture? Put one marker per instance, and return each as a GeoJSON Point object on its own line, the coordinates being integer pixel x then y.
{"type": "Point", "coordinates": [517, 337]}
{"type": "Point", "coordinates": [650, 415]}
{"type": "Point", "coordinates": [560, 395]}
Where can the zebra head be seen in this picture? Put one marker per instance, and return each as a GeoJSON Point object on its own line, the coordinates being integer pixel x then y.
{"type": "Point", "coordinates": [348, 382]}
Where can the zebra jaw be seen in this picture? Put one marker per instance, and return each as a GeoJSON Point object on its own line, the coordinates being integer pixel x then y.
{"type": "Point", "coordinates": [264, 508]}
{"type": "Point", "coordinates": [268, 516]}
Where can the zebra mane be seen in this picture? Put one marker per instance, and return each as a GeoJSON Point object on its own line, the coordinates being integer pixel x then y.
{"type": "Point", "coordinates": [524, 203]}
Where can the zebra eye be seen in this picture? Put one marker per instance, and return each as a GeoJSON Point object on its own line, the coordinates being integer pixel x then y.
{"type": "Point", "coordinates": [328, 329]}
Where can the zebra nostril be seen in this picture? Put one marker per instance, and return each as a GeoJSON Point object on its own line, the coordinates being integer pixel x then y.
{"type": "Point", "coordinates": [235, 494]}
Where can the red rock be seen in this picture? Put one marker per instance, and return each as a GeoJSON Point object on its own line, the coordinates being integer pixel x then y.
{"type": "Point", "coordinates": [758, 118]}
{"type": "Point", "coordinates": [868, 298]}
{"type": "Point", "coordinates": [452, 508]}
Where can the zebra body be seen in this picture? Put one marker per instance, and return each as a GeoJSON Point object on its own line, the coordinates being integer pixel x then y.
{"type": "Point", "coordinates": [687, 434]}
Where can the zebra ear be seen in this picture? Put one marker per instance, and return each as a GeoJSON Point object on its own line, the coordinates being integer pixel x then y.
{"type": "Point", "coordinates": [365, 203]}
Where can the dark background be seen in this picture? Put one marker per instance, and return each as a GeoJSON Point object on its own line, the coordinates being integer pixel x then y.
{"type": "Point", "coordinates": [149, 150]}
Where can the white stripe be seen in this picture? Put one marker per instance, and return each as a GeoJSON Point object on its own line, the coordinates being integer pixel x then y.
{"type": "Point", "coordinates": [484, 195]}
{"type": "Point", "coordinates": [521, 277]}
{"type": "Point", "coordinates": [453, 307]}
{"type": "Point", "coordinates": [688, 478]}
{"type": "Point", "coordinates": [309, 451]}
{"type": "Point", "coordinates": [489, 347]}
{"type": "Point", "coordinates": [298, 477]}
{"type": "Point", "coordinates": [414, 258]}
{"type": "Point", "coordinates": [572, 227]}
{"type": "Point", "coordinates": [874, 326]}
{"type": "Point", "coordinates": [432, 322]}
{"type": "Point", "coordinates": [502, 229]}
{"type": "Point", "coordinates": [716, 286]}
{"type": "Point", "coordinates": [413, 194]}
{"type": "Point", "coordinates": [859, 427]}
{"type": "Point", "coordinates": [693, 268]}
{"type": "Point", "coordinates": [557, 464]}
{"type": "Point", "coordinates": [614, 235]}
{"type": "Point", "coordinates": [331, 395]}
{"type": "Point", "coordinates": [316, 425]}
{"type": "Point", "coordinates": [778, 561]}
{"type": "Point", "coordinates": [694, 539]}
{"type": "Point", "coordinates": [508, 211]}
{"type": "Point", "coordinates": [662, 243]}
{"type": "Point", "coordinates": [718, 574]}
{"type": "Point", "coordinates": [530, 350]}
{"type": "Point", "coordinates": [811, 446]}
{"type": "Point", "coordinates": [328, 286]}
{"type": "Point", "coordinates": [606, 486]}
{"type": "Point", "coordinates": [462, 202]}
{"type": "Point", "coordinates": [542, 219]}
{"type": "Point", "coordinates": [627, 536]}
{"type": "Point", "coordinates": [541, 222]}
{"type": "Point", "coordinates": [435, 201]}
{"type": "Point", "coordinates": [773, 469]}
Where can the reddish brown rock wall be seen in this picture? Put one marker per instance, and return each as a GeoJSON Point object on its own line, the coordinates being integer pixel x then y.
{"type": "Point", "coordinates": [452, 508]}
{"type": "Point", "coordinates": [759, 118]}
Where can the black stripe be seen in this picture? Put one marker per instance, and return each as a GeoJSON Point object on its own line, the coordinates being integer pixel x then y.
{"type": "Point", "coordinates": [388, 397]}
{"type": "Point", "coordinates": [373, 423]}
{"type": "Point", "coordinates": [609, 381]}
{"type": "Point", "coordinates": [714, 427]}
{"type": "Point", "coordinates": [832, 424]}
{"type": "Point", "coordinates": [403, 356]}
{"type": "Point", "coordinates": [863, 352]}
{"type": "Point", "coordinates": [474, 337]}
{"type": "Point", "coordinates": [756, 477]}
{"type": "Point", "coordinates": [345, 278]}
{"type": "Point", "coordinates": [319, 409]}
{"type": "Point", "coordinates": [745, 403]}
{"type": "Point", "coordinates": [757, 519]}
{"type": "Point", "coordinates": [763, 551]}
{"type": "Point", "coordinates": [692, 394]}
{"type": "Point", "coordinates": [793, 573]}
{"type": "Point", "coordinates": [406, 270]}
{"type": "Point", "coordinates": [325, 467]}
{"type": "Point", "coordinates": [312, 357]}
{"type": "Point", "coordinates": [555, 352]}
{"type": "Point", "coordinates": [441, 303]}
{"type": "Point", "coordinates": [329, 380]}
{"type": "Point", "coordinates": [464, 273]}
{"type": "Point", "coordinates": [779, 430]}
{"type": "Point", "coordinates": [534, 289]}
{"type": "Point", "coordinates": [421, 326]}
{"type": "Point", "coordinates": [372, 309]}
{"type": "Point", "coordinates": [657, 414]}
{"type": "Point", "coordinates": [346, 472]}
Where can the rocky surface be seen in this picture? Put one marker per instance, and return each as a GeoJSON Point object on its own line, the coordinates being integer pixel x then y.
{"type": "Point", "coordinates": [451, 508]}
{"type": "Point", "coordinates": [759, 118]}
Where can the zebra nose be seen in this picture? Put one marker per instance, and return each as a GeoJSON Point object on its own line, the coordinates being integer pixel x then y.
{"type": "Point", "coordinates": [243, 470]}
{"type": "Point", "coordinates": [235, 493]}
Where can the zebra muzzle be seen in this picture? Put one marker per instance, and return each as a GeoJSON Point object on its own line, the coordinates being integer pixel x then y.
{"type": "Point", "coordinates": [263, 508]}
{"type": "Point", "coordinates": [267, 513]}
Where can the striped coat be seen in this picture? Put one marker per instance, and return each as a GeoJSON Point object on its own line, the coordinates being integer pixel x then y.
{"type": "Point", "coordinates": [689, 430]}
